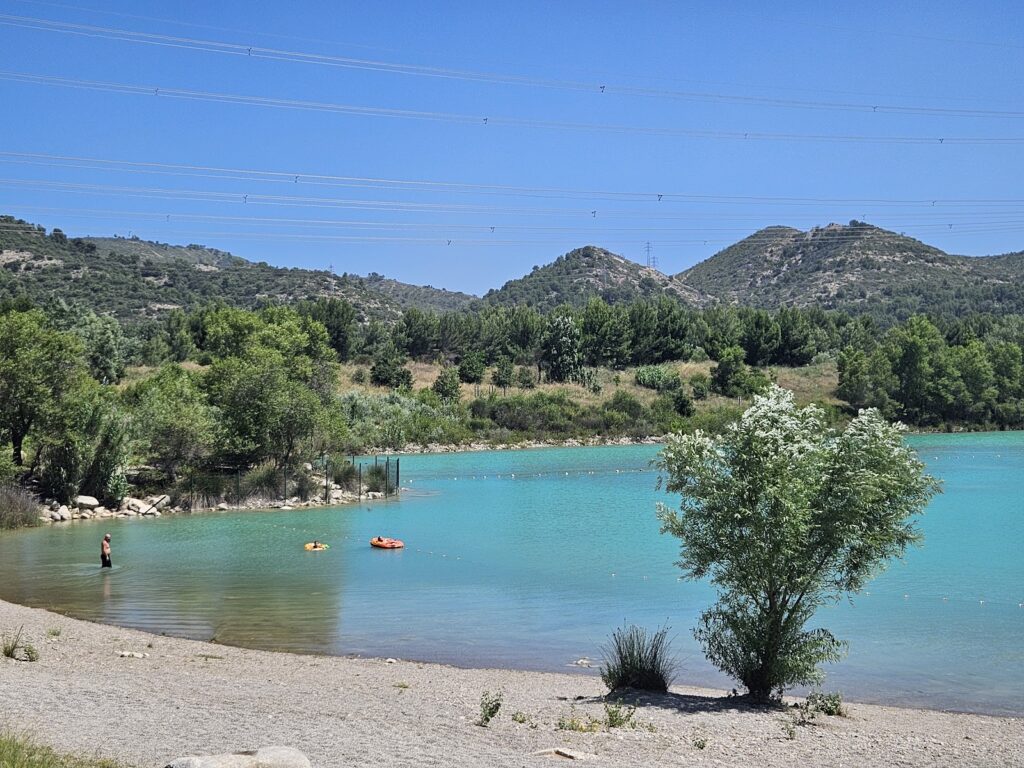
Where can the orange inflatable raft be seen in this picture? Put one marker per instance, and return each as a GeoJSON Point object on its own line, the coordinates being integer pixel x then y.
{"type": "Point", "coordinates": [382, 542]}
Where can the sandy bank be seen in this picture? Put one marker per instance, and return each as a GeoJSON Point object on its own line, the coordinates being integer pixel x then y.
{"type": "Point", "coordinates": [188, 696]}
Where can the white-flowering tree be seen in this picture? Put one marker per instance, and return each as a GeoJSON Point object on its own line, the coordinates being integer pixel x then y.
{"type": "Point", "coordinates": [783, 514]}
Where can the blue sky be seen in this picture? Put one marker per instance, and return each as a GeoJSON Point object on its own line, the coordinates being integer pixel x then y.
{"type": "Point", "coordinates": [683, 83]}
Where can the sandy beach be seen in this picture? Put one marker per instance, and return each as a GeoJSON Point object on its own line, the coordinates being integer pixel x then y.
{"type": "Point", "coordinates": [186, 697]}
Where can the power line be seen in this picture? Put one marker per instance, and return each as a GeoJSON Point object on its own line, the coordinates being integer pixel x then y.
{"type": "Point", "coordinates": [487, 120]}
{"type": "Point", "coordinates": [251, 199]}
{"type": "Point", "coordinates": [257, 52]}
{"type": "Point", "coordinates": [418, 185]}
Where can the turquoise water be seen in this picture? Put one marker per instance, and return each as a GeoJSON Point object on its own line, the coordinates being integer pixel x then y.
{"type": "Point", "coordinates": [530, 559]}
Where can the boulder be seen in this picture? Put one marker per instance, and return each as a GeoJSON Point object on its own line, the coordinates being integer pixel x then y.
{"type": "Point", "coordinates": [308, 467]}
{"type": "Point", "coordinates": [136, 505]}
{"type": "Point", "coordinates": [160, 501]}
{"type": "Point", "coordinates": [87, 502]}
{"type": "Point", "coordinates": [223, 505]}
{"type": "Point", "coordinates": [55, 515]}
{"type": "Point", "coordinates": [265, 757]}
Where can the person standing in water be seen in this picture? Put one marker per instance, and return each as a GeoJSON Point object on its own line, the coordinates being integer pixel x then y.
{"type": "Point", "coordinates": [105, 552]}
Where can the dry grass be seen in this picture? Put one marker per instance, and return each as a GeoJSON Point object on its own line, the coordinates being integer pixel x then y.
{"type": "Point", "coordinates": [812, 383]}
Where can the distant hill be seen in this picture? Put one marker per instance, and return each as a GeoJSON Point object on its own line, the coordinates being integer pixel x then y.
{"type": "Point", "coordinates": [858, 268]}
{"type": "Point", "coordinates": [135, 278]}
{"type": "Point", "coordinates": [587, 272]}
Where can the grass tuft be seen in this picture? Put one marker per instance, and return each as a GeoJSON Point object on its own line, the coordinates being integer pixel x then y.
{"type": "Point", "coordinates": [637, 660]}
{"type": "Point", "coordinates": [18, 508]}
{"type": "Point", "coordinates": [22, 752]}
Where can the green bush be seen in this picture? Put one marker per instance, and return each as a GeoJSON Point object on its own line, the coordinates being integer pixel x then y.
{"type": "Point", "coordinates": [830, 704]}
{"type": "Point", "coordinates": [18, 508]}
{"type": "Point", "coordinates": [375, 479]}
{"type": "Point", "coordinates": [658, 377]}
{"type": "Point", "coordinates": [344, 473]}
{"type": "Point", "coordinates": [637, 660]}
{"type": "Point", "coordinates": [490, 703]}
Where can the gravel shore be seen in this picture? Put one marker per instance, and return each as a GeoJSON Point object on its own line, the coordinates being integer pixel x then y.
{"type": "Point", "coordinates": [176, 697]}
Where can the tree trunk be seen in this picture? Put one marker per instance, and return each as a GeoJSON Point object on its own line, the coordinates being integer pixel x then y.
{"type": "Point", "coordinates": [16, 441]}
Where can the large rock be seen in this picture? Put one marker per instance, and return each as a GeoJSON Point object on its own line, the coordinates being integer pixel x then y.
{"type": "Point", "coordinates": [160, 501]}
{"type": "Point", "coordinates": [87, 502]}
{"type": "Point", "coordinates": [265, 757]}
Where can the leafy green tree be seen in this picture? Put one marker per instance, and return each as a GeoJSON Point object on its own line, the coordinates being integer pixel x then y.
{"type": "Point", "coordinates": [179, 336]}
{"type": "Point", "coordinates": [338, 318]}
{"type": "Point", "coordinates": [854, 381]}
{"type": "Point", "coordinates": [605, 334]}
{"type": "Point", "coordinates": [797, 342]}
{"type": "Point", "coordinates": [103, 340]}
{"type": "Point", "coordinates": [761, 338]}
{"type": "Point", "coordinates": [388, 369]}
{"type": "Point", "coordinates": [446, 385]}
{"type": "Point", "coordinates": [783, 515]}
{"type": "Point", "coordinates": [729, 377]}
{"type": "Point", "coordinates": [174, 423]}
{"type": "Point", "coordinates": [561, 353]}
{"type": "Point", "coordinates": [472, 368]}
{"type": "Point", "coordinates": [913, 349]}
{"type": "Point", "coordinates": [503, 375]}
{"type": "Point", "coordinates": [39, 366]}
{"type": "Point", "coordinates": [84, 445]}
{"type": "Point", "coordinates": [417, 333]}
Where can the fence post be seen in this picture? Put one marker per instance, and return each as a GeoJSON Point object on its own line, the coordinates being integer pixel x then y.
{"type": "Point", "coordinates": [359, 483]}
{"type": "Point", "coordinates": [327, 475]}
{"type": "Point", "coordinates": [238, 486]}
{"type": "Point", "coordinates": [398, 474]}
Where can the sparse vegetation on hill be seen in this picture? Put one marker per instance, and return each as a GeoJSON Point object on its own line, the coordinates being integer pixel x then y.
{"type": "Point", "coordinates": [587, 273]}
{"type": "Point", "coordinates": [860, 269]}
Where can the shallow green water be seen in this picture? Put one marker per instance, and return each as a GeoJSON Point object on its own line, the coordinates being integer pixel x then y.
{"type": "Point", "coordinates": [530, 558]}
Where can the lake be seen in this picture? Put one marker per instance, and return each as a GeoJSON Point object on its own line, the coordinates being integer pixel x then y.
{"type": "Point", "coordinates": [529, 559]}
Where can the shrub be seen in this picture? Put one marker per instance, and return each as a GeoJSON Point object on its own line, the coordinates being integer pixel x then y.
{"type": "Point", "coordinates": [263, 480]}
{"type": "Point", "coordinates": [18, 509]}
{"type": "Point", "coordinates": [375, 478]}
{"type": "Point", "coordinates": [9, 471]}
{"type": "Point", "coordinates": [682, 403]}
{"type": "Point", "coordinates": [618, 716]}
{"type": "Point", "coordinates": [358, 376]}
{"type": "Point", "coordinates": [573, 722]}
{"type": "Point", "coordinates": [345, 474]}
{"type": "Point", "coordinates": [525, 378]}
{"type": "Point", "coordinates": [658, 377]}
{"type": "Point", "coordinates": [638, 660]}
{"type": "Point", "coordinates": [490, 703]}
{"type": "Point", "coordinates": [830, 704]}
{"type": "Point", "coordinates": [305, 486]}
{"type": "Point", "coordinates": [701, 385]}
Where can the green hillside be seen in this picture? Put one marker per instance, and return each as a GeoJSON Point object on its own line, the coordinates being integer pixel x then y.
{"type": "Point", "coordinates": [585, 273]}
{"type": "Point", "coordinates": [134, 278]}
{"type": "Point", "coordinates": [858, 268]}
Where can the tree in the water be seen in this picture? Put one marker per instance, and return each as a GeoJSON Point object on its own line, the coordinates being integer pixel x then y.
{"type": "Point", "coordinates": [783, 515]}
